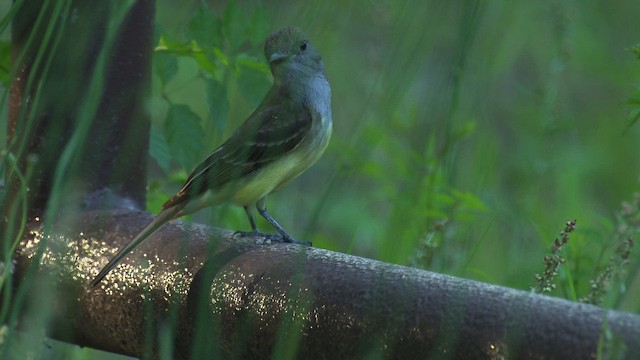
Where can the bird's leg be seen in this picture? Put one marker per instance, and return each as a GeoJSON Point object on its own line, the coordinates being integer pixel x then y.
{"type": "Point", "coordinates": [254, 228]}
{"type": "Point", "coordinates": [261, 206]}
{"type": "Point", "coordinates": [252, 221]}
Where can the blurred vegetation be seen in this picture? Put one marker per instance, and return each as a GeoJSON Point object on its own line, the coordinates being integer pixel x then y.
{"type": "Point", "coordinates": [466, 133]}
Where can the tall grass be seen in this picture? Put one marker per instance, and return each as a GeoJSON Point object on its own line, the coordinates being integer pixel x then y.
{"type": "Point", "coordinates": [465, 133]}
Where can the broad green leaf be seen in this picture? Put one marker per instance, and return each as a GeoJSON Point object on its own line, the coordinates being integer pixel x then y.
{"type": "Point", "coordinates": [636, 50]}
{"type": "Point", "coordinates": [259, 27]}
{"type": "Point", "coordinates": [442, 199]}
{"type": "Point", "coordinates": [175, 47]}
{"type": "Point", "coordinates": [465, 130]}
{"type": "Point", "coordinates": [234, 24]}
{"type": "Point", "coordinates": [243, 26]}
{"type": "Point", "coordinates": [469, 201]}
{"type": "Point", "coordinates": [434, 214]}
{"type": "Point", "coordinates": [204, 61]}
{"type": "Point", "coordinates": [190, 49]}
{"type": "Point", "coordinates": [221, 56]}
{"type": "Point", "coordinates": [634, 113]}
{"type": "Point", "coordinates": [634, 116]}
{"type": "Point", "coordinates": [217, 103]}
{"type": "Point", "coordinates": [253, 62]}
{"type": "Point", "coordinates": [184, 135]}
{"type": "Point", "coordinates": [165, 65]}
{"type": "Point", "coordinates": [204, 28]}
{"type": "Point", "coordinates": [159, 149]}
{"type": "Point", "coordinates": [253, 84]}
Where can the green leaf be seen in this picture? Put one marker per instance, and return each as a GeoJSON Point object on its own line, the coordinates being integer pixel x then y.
{"type": "Point", "coordinates": [165, 65]}
{"type": "Point", "coordinates": [242, 26]}
{"type": "Point", "coordinates": [172, 46]}
{"type": "Point", "coordinates": [184, 135]}
{"type": "Point", "coordinates": [159, 149]}
{"type": "Point", "coordinates": [464, 130]}
{"type": "Point", "coordinates": [234, 26]}
{"type": "Point", "coordinates": [634, 114]}
{"type": "Point", "coordinates": [253, 83]}
{"type": "Point", "coordinates": [442, 199]}
{"type": "Point", "coordinates": [217, 103]}
{"type": "Point", "coordinates": [634, 99]}
{"type": "Point", "coordinates": [204, 28]}
{"type": "Point", "coordinates": [190, 49]}
{"type": "Point", "coordinates": [469, 201]}
{"type": "Point", "coordinates": [259, 27]}
{"type": "Point", "coordinates": [221, 56]}
{"type": "Point", "coordinates": [253, 63]}
{"type": "Point", "coordinates": [636, 50]}
{"type": "Point", "coordinates": [203, 60]}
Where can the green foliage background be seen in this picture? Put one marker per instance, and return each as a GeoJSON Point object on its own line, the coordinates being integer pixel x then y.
{"type": "Point", "coordinates": [466, 133]}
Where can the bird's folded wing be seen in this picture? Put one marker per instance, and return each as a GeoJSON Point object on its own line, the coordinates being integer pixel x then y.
{"type": "Point", "coordinates": [268, 134]}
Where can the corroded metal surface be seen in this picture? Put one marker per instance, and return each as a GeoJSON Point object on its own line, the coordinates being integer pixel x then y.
{"type": "Point", "coordinates": [225, 296]}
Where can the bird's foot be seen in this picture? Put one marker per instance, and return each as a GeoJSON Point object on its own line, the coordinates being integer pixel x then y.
{"type": "Point", "coordinates": [271, 238]}
{"type": "Point", "coordinates": [289, 239]}
{"type": "Point", "coordinates": [260, 236]}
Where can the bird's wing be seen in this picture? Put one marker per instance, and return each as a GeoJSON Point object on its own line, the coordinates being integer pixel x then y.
{"type": "Point", "coordinates": [271, 131]}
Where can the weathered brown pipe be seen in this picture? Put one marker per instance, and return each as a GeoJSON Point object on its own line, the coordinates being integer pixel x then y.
{"type": "Point", "coordinates": [248, 299]}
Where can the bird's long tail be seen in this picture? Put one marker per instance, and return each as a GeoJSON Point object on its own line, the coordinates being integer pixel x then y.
{"type": "Point", "coordinates": [163, 217]}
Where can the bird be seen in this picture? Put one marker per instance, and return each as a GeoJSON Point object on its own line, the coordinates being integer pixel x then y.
{"type": "Point", "coordinates": [285, 135]}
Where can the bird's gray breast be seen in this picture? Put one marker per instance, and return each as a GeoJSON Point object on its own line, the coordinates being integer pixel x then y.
{"type": "Point", "coordinates": [318, 97]}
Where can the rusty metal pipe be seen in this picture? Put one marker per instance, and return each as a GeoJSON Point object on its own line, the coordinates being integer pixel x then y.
{"type": "Point", "coordinates": [243, 299]}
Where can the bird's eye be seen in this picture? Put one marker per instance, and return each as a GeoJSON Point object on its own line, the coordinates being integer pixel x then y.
{"type": "Point", "coordinates": [303, 46]}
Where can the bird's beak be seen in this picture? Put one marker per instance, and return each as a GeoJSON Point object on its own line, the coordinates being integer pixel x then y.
{"type": "Point", "coordinates": [276, 57]}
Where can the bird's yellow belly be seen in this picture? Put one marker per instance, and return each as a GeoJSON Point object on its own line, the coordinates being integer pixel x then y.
{"type": "Point", "coordinates": [250, 188]}
{"type": "Point", "coordinates": [282, 171]}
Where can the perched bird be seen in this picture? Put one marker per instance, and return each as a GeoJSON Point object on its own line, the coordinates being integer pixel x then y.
{"type": "Point", "coordinates": [282, 138]}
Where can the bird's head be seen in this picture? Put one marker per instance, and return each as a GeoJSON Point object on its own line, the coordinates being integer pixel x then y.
{"type": "Point", "coordinates": [290, 53]}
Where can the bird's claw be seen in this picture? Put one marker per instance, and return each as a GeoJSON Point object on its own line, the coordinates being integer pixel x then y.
{"type": "Point", "coordinates": [269, 238]}
{"type": "Point", "coordinates": [288, 239]}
